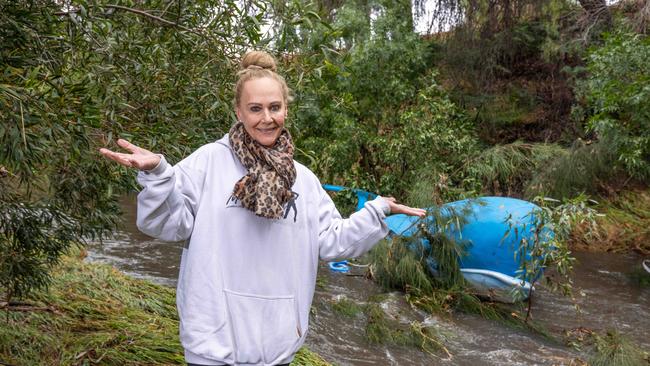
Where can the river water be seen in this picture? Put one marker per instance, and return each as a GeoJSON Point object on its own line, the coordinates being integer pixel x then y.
{"type": "Point", "coordinates": [605, 294]}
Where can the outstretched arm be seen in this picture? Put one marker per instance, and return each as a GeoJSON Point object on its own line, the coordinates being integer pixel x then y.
{"type": "Point", "coordinates": [167, 203]}
{"type": "Point", "coordinates": [348, 238]}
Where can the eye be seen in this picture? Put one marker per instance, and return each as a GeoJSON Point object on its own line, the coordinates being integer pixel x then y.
{"type": "Point", "coordinates": [276, 107]}
{"type": "Point", "coordinates": [256, 108]}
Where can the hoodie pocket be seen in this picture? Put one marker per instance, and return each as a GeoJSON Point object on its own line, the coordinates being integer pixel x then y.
{"type": "Point", "coordinates": [265, 328]}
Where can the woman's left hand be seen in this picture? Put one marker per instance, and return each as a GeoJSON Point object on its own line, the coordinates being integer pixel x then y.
{"type": "Point", "coordinates": [398, 208]}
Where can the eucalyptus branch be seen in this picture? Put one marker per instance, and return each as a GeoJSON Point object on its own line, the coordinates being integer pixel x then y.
{"type": "Point", "coordinates": [167, 8]}
{"type": "Point", "coordinates": [144, 14]}
{"type": "Point", "coordinates": [151, 16]}
{"type": "Point", "coordinates": [200, 32]}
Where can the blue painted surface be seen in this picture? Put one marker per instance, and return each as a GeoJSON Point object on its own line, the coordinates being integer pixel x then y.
{"type": "Point", "coordinates": [487, 223]}
{"type": "Point", "coordinates": [494, 229]}
{"type": "Point", "coordinates": [341, 266]}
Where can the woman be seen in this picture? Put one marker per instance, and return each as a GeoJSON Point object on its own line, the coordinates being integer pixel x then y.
{"type": "Point", "coordinates": [255, 224]}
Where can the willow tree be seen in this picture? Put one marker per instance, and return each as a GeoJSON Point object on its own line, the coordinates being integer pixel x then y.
{"type": "Point", "coordinates": [497, 15]}
{"type": "Point", "coordinates": [75, 77]}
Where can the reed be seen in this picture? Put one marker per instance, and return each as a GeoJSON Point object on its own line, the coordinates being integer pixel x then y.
{"type": "Point", "coordinates": [395, 266]}
{"type": "Point", "coordinates": [406, 262]}
{"type": "Point", "coordinates": [585, 167]}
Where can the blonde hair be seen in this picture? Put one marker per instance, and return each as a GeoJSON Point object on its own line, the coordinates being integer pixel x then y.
{"type": "Point", "coordinates": [256, 65]}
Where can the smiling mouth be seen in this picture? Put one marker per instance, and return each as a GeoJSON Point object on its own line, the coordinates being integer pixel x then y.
{"type": "Point", "coordinates": [267, 130]}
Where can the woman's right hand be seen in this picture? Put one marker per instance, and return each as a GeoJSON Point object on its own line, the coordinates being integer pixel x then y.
{"type": "Point", "coordinates": [138, 157]}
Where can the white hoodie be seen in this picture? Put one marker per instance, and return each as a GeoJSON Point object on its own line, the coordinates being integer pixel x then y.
{"type": "Point", "coordinates": [246, 283]}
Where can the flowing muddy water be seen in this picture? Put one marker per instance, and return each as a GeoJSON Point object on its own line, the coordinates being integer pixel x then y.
{"type": "Point", "coordinates": [605, 294]}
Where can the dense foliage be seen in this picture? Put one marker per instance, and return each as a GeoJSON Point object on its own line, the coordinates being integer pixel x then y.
{"type": "Point", "coordinates": [53, 191]}
{"type": "Point", "coordinates": [75, 78]}
{"type": "Point", "coordinates": [521, 98]}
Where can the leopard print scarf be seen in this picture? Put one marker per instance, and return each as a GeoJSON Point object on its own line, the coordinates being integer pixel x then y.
{"type": "Point", "coordinates": [271, 173]}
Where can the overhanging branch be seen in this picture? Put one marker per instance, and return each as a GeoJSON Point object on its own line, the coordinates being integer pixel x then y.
{"type": "Point", "coordinates": [143, 14]}
{"type": "Point", "coordinates": [150, 16]}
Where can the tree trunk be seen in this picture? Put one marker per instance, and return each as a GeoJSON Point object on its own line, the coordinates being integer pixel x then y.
{"type": "Point", "coordinates": [327, 7]}
{"type": "Point", "coordinates": [597, 10]}
{"type": "Point", "coordinates": [642, 18]}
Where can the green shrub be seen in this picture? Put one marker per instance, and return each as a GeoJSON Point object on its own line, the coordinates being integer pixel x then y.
{"type": "Point", "coordinates": [615, 93]}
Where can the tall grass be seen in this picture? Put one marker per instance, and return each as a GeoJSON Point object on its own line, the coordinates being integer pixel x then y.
{"type": "Point", "coordinates": [526, 170]}
{"type": "Point", "coordinates": [584, 168]}
{"type": "Point", "coordinates": [623, 226]}
{"type": "Point", "coordinates": [93, 314]}
{"type": "Point", "coordinates": [409, 261]}
{"type": "Point", "coordinates": [614, 349]}
{"type": "Point", "coordinates": [508, 169]}
{"type": "Point", "coordinates": [395, 266]}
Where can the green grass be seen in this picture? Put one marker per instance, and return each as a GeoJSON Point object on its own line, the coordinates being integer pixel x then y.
{"type": "Point", "coordinates": [401, 262]}
{"type": "Point", "coordinates": [584, 168]}
{"type": "Point", "coordinates": [305, 357]}
{"type": "Point", "coordinates": [94, 314]}
{"type": "Point", "coordinates": [613, 349]}
{"type": "Point", "coordinates": [381, 328]}
{"type": "Point", "coordinates": [394, 266]}
{"type": "Point", "coordinates": [346, 307]}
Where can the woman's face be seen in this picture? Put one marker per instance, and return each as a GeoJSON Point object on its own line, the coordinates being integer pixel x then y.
{"type": "Point", "coordinates": [262, 110]}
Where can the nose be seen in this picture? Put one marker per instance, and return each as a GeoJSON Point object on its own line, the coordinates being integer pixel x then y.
{"type": "Point", "coordinates": [267, 116]}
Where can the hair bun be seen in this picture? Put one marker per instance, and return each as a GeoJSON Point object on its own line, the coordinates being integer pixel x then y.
{"type": "Point", "coordinates": [258, 59]}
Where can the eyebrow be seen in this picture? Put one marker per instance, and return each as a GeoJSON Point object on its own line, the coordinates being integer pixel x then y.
{"type": "Point", "coordinates": [272, 103]}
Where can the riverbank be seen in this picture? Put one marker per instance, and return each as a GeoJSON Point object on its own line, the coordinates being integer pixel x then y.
{"type": "Point", "coordinates": [94, 314]}
{"type": "Point", "coordinates": [624, 226]}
